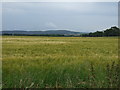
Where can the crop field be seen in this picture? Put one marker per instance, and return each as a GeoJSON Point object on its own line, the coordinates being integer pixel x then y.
{"type": "Point", "coordinates": [60, 62]}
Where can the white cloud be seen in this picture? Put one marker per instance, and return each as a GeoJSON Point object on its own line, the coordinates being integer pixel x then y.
{"type": "Point", "coordinates": [50, 25]}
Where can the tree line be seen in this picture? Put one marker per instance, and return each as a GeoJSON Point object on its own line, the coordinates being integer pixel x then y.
{"type": "Point", "coordinates": [113, 31]}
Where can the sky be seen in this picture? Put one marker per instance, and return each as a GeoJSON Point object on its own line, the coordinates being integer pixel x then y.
{"type": "Point", "coordinates": [60, 0]}
{"type": "Point", "coordinates": [73, 16]}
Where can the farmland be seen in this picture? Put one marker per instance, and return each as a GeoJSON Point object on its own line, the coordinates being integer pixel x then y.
{"type": "Point", "coordinates": [60, 62]}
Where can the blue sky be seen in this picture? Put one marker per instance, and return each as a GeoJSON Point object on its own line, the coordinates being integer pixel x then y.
{"type": "Point", "coordinates": [74, 16]}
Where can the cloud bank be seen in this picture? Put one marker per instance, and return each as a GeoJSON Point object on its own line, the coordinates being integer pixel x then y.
{"type": "Point", "coordinates": [76, 16]}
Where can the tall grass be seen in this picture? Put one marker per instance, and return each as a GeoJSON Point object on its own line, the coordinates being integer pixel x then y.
{"type": "Point", "coordinates": [60, 62]}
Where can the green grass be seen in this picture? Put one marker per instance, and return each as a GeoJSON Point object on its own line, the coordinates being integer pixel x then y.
{"type": "Point", "coordinates": [60, 62]}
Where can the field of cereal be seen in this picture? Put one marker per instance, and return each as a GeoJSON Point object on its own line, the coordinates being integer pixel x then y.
{"type": "Point", "coordinates": [60, 62]}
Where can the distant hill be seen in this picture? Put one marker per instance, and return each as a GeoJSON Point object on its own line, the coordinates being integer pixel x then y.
{"type": "Point", "coordinates": [61, 32]}
{"type": "Point", "coordinates": [113, 31]}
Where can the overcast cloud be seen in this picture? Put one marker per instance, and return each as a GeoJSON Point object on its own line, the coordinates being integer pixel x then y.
{"type": "Point", "coordinates": [77, 16]}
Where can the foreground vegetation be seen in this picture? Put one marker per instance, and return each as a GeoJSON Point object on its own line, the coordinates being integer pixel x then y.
{"type": "Point", "coordinates": [60, 62]}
